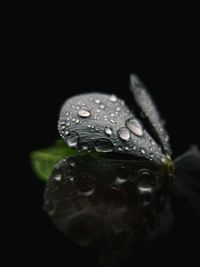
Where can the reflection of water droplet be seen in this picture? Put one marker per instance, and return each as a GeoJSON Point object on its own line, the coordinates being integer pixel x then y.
{"type": "Point", "coordinates": [113, 98]}
{"type": "Point", "coordinates": [145, 189]}
{"type": "Point", "coordinates": [84, 113]}
{"type": "Point", "coordinates": [122, 174]}
{"type": "Point", "coordinates": [82, 229]}
{"type": "Point", "coordinates": [72, 139]}
{"type": "Point", "coordinates": [103, 145]}
{"type": "Point", "coordinates": [84, 147]}
{"type": "Point", "coordinates": [85, 183]}
{"type": "Point", "coordinates": [124, 134]}
{"type": "Point", "coordinates": [71, 161]}
{"type": "Point", "coordinates": [57, 177]}
{"type": "Point", "coordinates": [135, 127]}
{"type": "Point", "coordinates": [146, 178]}
{"type": "Point", "coordinates": [108, 130]}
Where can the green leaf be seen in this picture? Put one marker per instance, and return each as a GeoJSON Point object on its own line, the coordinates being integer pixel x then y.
{"type": "Point", "coordinates": [44, 160]}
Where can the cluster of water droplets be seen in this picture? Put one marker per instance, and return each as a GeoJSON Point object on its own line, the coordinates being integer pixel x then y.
{"type": "Point", "coordinates": [103, 123]}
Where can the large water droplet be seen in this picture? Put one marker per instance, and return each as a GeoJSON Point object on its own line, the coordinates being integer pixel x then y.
{"type": "Point", "coordinates": [72, 139]}
{"type": "Point", "coordinates": [135, 127]}
{"type": "Point", "coordinates": [124, 134]}
{"type": "Point", "coordinates": [84, 113]}
{"type": "Point", "coordinates": [103, 145]}
{"type": "Point", "coordinates": [108, 130]}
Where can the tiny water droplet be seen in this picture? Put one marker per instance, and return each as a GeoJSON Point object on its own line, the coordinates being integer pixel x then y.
{"type": "Point", "coordinates": [102, 106]}
{"type": "Point", "coordinates": [135, 127]}
{"type": "Point", "coordinates": [66, 132]}
{"type": "Point", "coordinates": [142, 151]}
{"type": "Point", "coordinates": [124, 134]}
{"type": "Point", "coordinates": [113, 98]}
{"type": "Point", "coordinates": [84, 113]}
{"type": "Point", "coordinates": [108, 130]}
{"type": "Point", "coordinates": [97, 101]}
{"type": "Point", "coordinates": [134, 148]}
{"type": "Point", "coordinates": [112, 121]}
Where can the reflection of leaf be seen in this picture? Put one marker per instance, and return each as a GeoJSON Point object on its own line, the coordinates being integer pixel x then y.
{"type": "Point", "coordinates": [43, 160]}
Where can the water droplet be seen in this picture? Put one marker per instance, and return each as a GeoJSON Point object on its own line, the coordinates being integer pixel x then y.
{"type": "Point", "coordinates": [112, 121]}
{"type": "Point", "coordinates": [108, 130]}
{"type": "Point", "coordinates": [118, 109]}
{"type": "Point", "coordinates": [135, 127]}
{"type": "Point", "coordinates": [120, 148]}
{"type": "Point", "coordinates": [77, 121]}
{"type": "Point", "coordinates": [72, 139]}
{"type": "Point", "coordinates": [126, 148]}
{"type": "Point", "coordinates": [57, 177]}
{"type": "Point", "coordinates": [103, 145]}
{"type": "Point", "coordinates": [66, 132]}
{"type": "Point", "coordinates": [134, 148]}
{"type": "Point", "coordinates": [102, 106]}
{"type": "Point", "coordinates": [142, 151]}
{"type": "Point", "coordinates": [97, 101]}
{"type": "Point", "coordinates": [84, 113]}
{"type": "Point", "coordinates": [113, 98]}
{"type": "Point", "coordinates": [124, 134]}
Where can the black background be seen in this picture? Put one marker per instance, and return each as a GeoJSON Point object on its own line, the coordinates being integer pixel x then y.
{"type": "Point", "coordinates": [50, 66]}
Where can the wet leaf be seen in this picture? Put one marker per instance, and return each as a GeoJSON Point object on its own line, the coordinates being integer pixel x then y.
{"type": "Point", "coordinates": [103, 123]}
{"type": "Point", "coordinates": [148, 107]}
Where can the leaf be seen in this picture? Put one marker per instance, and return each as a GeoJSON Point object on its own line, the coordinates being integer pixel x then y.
{"type": "Point", "coordinates": [103, 123]}
{"type": "Point", "coordinates": [44, 160]}
{"type": "Point", "coordinates": [148, 107]}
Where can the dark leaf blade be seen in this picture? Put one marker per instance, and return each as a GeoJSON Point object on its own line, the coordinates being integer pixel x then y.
{"type": "Point", "coordinates": [148, 107]}
{"type": "Point", "coordinates": [105, 192]}
{"type": "Point", "coordinates": [43, 160]}
{"type": "Point", "coordinates": [103, 123]}
{"type": "Point", "coordinates": [187, 171]}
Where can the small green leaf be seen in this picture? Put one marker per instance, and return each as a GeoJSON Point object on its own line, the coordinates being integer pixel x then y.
{"type": "Point", "coordinates": [44, 160]}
